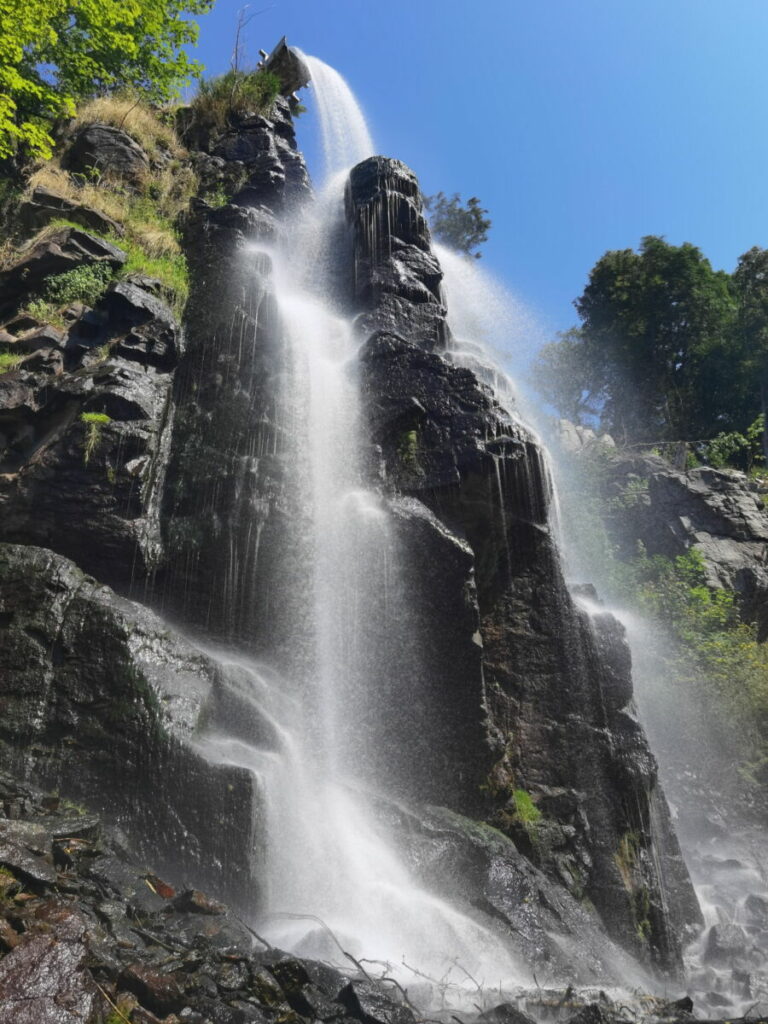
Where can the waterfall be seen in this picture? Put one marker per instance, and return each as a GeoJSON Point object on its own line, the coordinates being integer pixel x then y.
{"type": "Point", "coordinates": [343, 129]}
{"type": "Point", "coordinates": [329, 863]}
{"type": "Point", "coordinates": [488, 324]}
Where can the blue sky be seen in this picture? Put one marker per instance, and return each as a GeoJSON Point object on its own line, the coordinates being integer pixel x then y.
{"type": "Point", "coordinates": [582, 125]}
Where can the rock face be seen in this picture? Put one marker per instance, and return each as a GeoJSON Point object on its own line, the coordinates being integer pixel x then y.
{"type": "Point", "coordinates": [225, 501]}
{"type": "Point", "coordinates": [84, 430]}
{"type": "Point", "coordinates": [99, 699]}
{"type": "Point", "coordinates": [108, 152]}
{"type": "Point", "coordinates": [713, 511]}
{"type": "Point", "coordinates": [562, 763]}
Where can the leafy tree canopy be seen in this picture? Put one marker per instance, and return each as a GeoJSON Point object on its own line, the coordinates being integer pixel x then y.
{"type": "Point", "coordinates": [55, 52]}
{"type": "Point", "coordinates": [457, 226]}
{"type": "Point", "coordinates": [656, 346]}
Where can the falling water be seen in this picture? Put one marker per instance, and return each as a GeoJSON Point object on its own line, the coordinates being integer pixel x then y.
{"type": "Point", "coordinates": [332, 875]}
{"type": "Point", "coordinates": [343, 129]}
{"type": "Point", "coordinates": [724, 868]}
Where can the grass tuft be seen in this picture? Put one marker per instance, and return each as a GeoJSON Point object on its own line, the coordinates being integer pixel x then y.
{"type": "Point", "coordinates": [134, 116]}
{"type": "Point", "coordinates": [235, 94]}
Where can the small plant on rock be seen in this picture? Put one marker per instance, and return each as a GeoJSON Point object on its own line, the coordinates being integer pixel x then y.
{"type": "Point", "coordinates": [93, 422]}
{"type": "Point", "coordinates": [234, 94]}
{"type": "Point", "coordinates": [9, 361]}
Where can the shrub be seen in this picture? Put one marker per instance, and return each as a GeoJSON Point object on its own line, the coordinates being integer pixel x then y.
{"type": "Point", "coordinates": [82, 284]}
{"type": "Point", "coordinates": [234, 94]}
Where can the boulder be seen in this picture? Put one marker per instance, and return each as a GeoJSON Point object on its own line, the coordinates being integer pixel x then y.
{"type": "Point", "coordinates": [725, 943]}
{"type": "Point", "coordinates": [108, 151]}
{"type": "Point", "coordinates": [99, 697]}
{"type": "Point", "coordinates": [43, 206]}
{"type": "Point", "coordinates": [545, 706]}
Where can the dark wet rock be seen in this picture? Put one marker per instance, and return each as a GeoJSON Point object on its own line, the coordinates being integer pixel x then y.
{"type": "Point", "coordinates": [725, 943]}
{"type": "Point", "coordinates": [195, 902]}
{"type": "Point", "coordinates": [717, 999]}
{"type": "Point", "coordinates": [110, 152]}
{"type": "Point", "coordinates": [367, 1003]}
{"type": "Point", "coordinates": [155, 990]}
{"type": "Point", "coordinates": [226, 505]}
{"type": "Point", "coordinates": [540, 687]}
{"type": "Point", "coordinates": [506, 1013]}
{"type": "Point", "coordinates": [594, 1013]}
{"type": "Point", "coordinates": [144, 326]}
{"type": "Point", "coordinates": [91, 491]}
{"type": "Point", "coordinates": [45, 981]}
{"type": "Point", "coordinates": [99, 697]}
{"type": "Point", "coordinates": [756, 910]}
{"type": "Point", "coordinates": [43, 206]}
{"type": "Point", "coordinates": [44, 337]}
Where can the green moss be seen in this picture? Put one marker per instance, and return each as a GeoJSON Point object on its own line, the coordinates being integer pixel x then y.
{"type": "Point", "coordinates": [407, 450]}
{"type": "Point", "coordinates": [170, 270]}
{"type": "Point", "coordinates": [526, 811]}
{"type": "Point", "coordinates": [9, 361]}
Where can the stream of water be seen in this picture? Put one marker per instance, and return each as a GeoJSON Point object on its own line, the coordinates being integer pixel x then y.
{"type": "Point", "coordinates": [332, 877]}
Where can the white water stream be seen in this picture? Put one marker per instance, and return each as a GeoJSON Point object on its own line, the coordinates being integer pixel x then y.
{"type": "Point", "coordinates": [727, 864]}
{"type": "Point", "coordinates": [329, 865]}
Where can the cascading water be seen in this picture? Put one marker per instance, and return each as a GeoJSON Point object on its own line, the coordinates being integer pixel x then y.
{"type": "Point", "coordinates": [487, 323]}
{"type": "Point", "coordinates": [311, 741]}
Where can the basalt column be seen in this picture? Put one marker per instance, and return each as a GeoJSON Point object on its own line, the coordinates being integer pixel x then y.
{"type": "Point", "coordinates": [532, 696]}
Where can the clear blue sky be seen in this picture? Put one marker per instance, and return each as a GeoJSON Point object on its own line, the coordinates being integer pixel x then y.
{"type": "Point", "coordinates": [582, 125]}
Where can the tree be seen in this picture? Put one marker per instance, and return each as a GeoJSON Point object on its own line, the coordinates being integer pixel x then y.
{"type": "Point", "coordinates": [657, 329]}
{"type": "Point", "coordinates": [563, 376]}
{"type": "Point", "coordinates": [55, 52]}
{"type": "Point", "coordinates": [459, 227]}
{"type": "Point", "coordinates": [750, 283]}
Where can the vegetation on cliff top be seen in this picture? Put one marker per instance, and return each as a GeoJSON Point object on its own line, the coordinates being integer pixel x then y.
{"type": "Point", "coordinates": [54, 53]}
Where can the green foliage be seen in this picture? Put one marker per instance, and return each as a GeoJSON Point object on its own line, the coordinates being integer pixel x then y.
{"type": "Point", "coordinates": [9, 361]}
{"type": "Point", "coordinates": [563, 377]}
{"type": "Point", "coordinates": [217, 198]}
{"type": "Point", "coordinates": [633, 495]}
{"type": "Point", "coordinates": [55, 52]}
{"type": "Point", "coordinates": [86, 283]}
{"type": "Point", "coordinates": [656, 345]}
{"type": "Point", "coordinates": [526, 811]}
{"type": "Point", "coordinates": [221, 100]}
{"type": "Point", "coordinates": [93, 422]}
{"type": "Point", "coordinates": [170, 270]}
{"type": "Point", "coordinates": [460, 227]}
{"type": "Point", "coordinates": [743, 451]}
{"type": "Point", "coordinates": [46, 312]}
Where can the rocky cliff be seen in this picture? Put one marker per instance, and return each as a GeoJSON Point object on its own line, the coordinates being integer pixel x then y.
{"type": "Point", "coordinates": [145, 455]}
{"type": "Point", "coordinates": [535, 693]}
